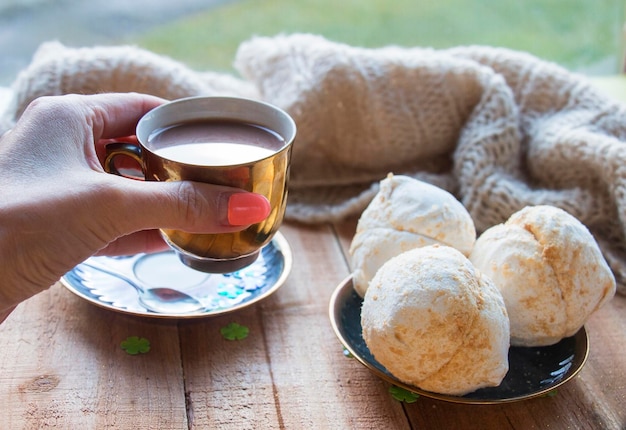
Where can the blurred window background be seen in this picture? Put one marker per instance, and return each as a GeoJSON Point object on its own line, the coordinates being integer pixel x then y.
{"type": "Point", "coordinates": [585, 36]}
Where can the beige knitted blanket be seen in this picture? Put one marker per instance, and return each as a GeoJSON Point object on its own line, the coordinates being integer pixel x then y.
{"type": "Point", "coordinates": [500, 129]}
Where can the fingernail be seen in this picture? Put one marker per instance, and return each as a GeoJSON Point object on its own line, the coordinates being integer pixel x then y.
{"type": "Point", "coordinates": [247, 208]}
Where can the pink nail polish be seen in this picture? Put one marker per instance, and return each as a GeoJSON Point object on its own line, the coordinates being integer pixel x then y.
{"type": "Point", "coordinates": [247, 208]}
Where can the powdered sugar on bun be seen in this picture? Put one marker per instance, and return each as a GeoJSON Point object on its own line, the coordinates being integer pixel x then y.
{"type": "Point", "coordinates": [436, 323]}
{"type": "Point", "coordinates": [406, 214]}
{"type": "Point", "coordinates": [549, 270]}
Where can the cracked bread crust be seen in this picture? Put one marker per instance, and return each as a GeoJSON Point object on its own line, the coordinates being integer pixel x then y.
{"type": "Point", "coordinates": [549, 270]}
{"type": "Point", "coordinates": [406, 214]}
{"type": "Point", "coordinates": [436, 323]}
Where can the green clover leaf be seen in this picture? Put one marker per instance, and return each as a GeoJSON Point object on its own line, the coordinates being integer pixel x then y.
{"type": "Point", "coordinates": [347, 353]}
{"type": "Point", "coordinates": [551, 393]}
{"type": "Point", "coordinates": [402, 395]}
{"type": "Point", "coordinates": [234, 331]}
{"type": "Point", "coordinates": [134, 345]}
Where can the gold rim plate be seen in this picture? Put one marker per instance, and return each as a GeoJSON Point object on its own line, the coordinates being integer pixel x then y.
{"type": "Point", "coordinates": [533, 371]}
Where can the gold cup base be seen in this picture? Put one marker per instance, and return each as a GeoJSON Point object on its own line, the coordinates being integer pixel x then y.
{"type": "Point", "coordinates": [210, 265]}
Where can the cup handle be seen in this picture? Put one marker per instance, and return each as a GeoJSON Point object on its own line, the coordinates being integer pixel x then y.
{"type": "Point", "coordinates": [117, 149]}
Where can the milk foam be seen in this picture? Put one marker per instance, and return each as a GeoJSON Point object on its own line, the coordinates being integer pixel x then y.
{"type": "Point", "coordinates": [214, 153]}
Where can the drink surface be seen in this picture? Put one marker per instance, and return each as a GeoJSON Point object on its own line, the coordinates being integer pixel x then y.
{"type": "Point", "coordinates": [214, 143]}
{"type": "Point", "coordinates": [214, 154]}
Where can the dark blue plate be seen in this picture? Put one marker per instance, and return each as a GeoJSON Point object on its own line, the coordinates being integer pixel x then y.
{"type": "Point", "coordinates": [533, 371]}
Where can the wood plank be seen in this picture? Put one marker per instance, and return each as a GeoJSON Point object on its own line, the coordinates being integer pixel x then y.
{"type": "Point", "coordinates": [317, 386]}
{"type": "Point", "coordinates": [290, 372]}
{"type": "Point", "coordinates": [228, 383]}
{"type": "Point", "coordinates": [345, 232]}
{"type": "Point", "coordinates": [604, 376]}
{"type": "Point", "coordinates": [63, 367]}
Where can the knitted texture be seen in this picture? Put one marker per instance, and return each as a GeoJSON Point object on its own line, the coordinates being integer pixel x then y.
{"type": "Point", "coordinates": [56, 70]}
{"type": "Point", "coordinates": [499, 129]}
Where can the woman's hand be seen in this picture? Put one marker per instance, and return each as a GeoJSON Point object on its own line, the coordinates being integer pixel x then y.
{"type": "Point", "coordinates": [58, 206]}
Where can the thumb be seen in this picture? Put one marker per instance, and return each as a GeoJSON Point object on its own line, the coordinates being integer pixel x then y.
{"type": "Point", "coordinates": [190, 206]}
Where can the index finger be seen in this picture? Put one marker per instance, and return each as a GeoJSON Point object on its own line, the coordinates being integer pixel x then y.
{"type": "Point", "coordinates": [116, 114]}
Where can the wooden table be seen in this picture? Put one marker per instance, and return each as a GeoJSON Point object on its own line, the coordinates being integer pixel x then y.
{"type": "Point", "coordinates": [63, 367]}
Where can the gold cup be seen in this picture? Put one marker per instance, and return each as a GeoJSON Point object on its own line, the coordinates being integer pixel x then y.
{"type": "Point", "coordinates": [223, 252]}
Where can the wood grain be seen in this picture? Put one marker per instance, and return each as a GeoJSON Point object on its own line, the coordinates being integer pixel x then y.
{"type": "Point", "coordinates": [62, 366]}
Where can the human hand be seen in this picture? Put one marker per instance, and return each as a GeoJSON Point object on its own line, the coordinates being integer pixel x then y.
{"type": "Point", "coordinates": [58, 206]}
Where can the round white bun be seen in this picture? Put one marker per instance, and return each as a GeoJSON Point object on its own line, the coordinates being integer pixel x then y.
{"type": "Point", "coordinates": [406, 214]}
{"type": "Point", "coordinates": [436, 323]}
{"type": "Point", "coordinates": [549, 270]}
